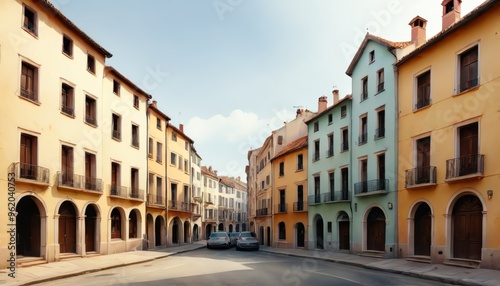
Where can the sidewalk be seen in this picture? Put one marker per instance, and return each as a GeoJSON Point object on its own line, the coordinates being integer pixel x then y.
{"type": "Point", "coordinates": [67, 268]}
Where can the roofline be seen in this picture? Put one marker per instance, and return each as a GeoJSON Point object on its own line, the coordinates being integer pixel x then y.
{"type": "Point", "coordinates": [349, 96]}
{"type": "Point", "coordinates": [180, 132]}
{"type": "Point", "coordinates": [475, 13]}
{"type": "Point", "coordinates": [159, 112]}
{"type": "Point", "coordinates": [112, 70]}
{"type": "Point", "coordinates": [60, 16]}
{"type": "Point", "coordinates": [298, 147]}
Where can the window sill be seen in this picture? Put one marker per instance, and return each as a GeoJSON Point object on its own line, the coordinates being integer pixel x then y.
{"type": "Point", "coordinates": [91, 72]}
{"type": "Point", "coordinates": [30, 100]}
{"type": "Point", "coordinates": [468, 90]}
{"type": "Point", "coordinates": [32, 33]}
{"type": "Point", "coordinates": [68, 55]}
{"type": "Point", "coordinates": [379, 92]}
{"type": "Point", "coordinates": [116, 139]}
{"type": "Point", "coordinates": [68, 115]}
{"type": "Point", "coordinates": [135, 147]}
{"type": "Point", "coordinates": [91, 124]}
{"type": "Point", "coordinates": [422, 108]}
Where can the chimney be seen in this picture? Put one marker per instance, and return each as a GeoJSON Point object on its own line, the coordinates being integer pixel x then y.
{"type": "Point", "coordinates": [451, 12]}
{"type": "Point", "coordinates": [322, 102]}
{"type": "Point", "coordinates": [181, 127]}
{"type": "Point", "coordinates": [299, 112]}
{"type": "Point", "coordinates": [154, 103]}
{"type": "Point", "coordinates": [335, 93]}
{"type": "Point", "coordinates": [418, 25]}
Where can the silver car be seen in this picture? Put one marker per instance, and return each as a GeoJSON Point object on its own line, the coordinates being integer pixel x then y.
{"type": "Point", "coordinates": [233, 236]}
{"type": "Point", "coordinates": [218, 239]}
{"type": "Point", "coordinates": [247, 240]}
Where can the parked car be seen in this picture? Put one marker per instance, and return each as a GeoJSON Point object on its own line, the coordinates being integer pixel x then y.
{"type": "Point", "coordinates": [218, 239]}
{"type": "Point", "coordinates": [247, 240]}
{"type": "Point", "coordinates": [233, 236]}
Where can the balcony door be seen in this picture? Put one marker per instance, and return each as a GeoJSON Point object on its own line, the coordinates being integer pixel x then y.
{"type": "Point", "coordinates": [28, 157]}
{"type": "Point", "coordinates": [468, 149]}
{"type": "Point", "coordinates": [67, 165]}
{"type": "Point", "coordinates": [423, 160]}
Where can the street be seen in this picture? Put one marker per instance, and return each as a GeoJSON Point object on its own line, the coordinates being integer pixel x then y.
{"type": "Point", "coordinates": [231, 267]}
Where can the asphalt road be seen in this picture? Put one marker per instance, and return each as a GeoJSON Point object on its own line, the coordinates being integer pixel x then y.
{"type": "Point", "coordinates": [231, 267]}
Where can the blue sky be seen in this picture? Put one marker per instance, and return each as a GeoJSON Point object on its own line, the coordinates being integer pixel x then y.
{"type": "Point", "coordinates": [232, 71]}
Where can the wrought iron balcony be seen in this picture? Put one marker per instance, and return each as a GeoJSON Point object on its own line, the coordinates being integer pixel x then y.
{"type": "Point", "coordinates": [135, 193]}
{"type": "Point", "coordinates": [300, 206]}
{"type": "Point", "coordinates": [337, 196]}
{"type": "Point", "coordinates": [418, 177]}
{"type": "Point", "coordinates": [156, 201]}
{"type": "Point", "coordinates": [68, 110]}
{"type": "Point", "coordinates": [90, 119]}
{"type": "Point", "coordinates": [363, 138]}
{"type": "Point", "coordinates": [471, 166]}
{"type": "Point", "coordinates": [379, 133]}
{"type": "Point", "coordinates": [117, 134]}
{"type": "Point", "coordinates": [380, 87]}
{"type": "Point", "coordinates": [174, 205]}
{"type": "Point", "coordinates": [344, 146]}
{"type": "Point", "coordinates": [314, 199]}
{"type": "Point", "coordinates": [315, 157]}
{"type": "Point", "coordinates": [262, 212]}
{"type": "Point", "coordinates": [185, 207]}
{"type": "Point", "coordinates": [281, 208]}
{"type": "Point", "coordinates": [30, 173]}
{"type": "Point", "coordinates": [372, 187]}
{"type": "Point", "coordinates": [66, 180]}
{"type": "Point", "coordinates": [329, 152]}
{"type": "Point", "coordinates": [119, 191]}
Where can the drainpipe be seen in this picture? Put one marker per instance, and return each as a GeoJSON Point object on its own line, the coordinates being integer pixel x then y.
{"type": "Point", "coordinates": [351, 225]}
{"type": "Point", "coordinates": [147, 176]}
{"type": "Point", "coordinates": [395, 209]}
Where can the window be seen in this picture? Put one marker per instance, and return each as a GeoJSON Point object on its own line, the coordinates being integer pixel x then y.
{"type": "Point", "coordinates": [345, 140]}
{"type": "Point", "coordinates": [136, 101]}
{"type": "Point", "coordinates": [29, 82]}
{"type": "Point", "coordinates": [115, 178]}
{"type": "Point", "coordinates": [158, 123]}
{"type": "Point", "coordinates": [371, 57]}
{"type": "Point", "coordinates": [282, 230]}
{"type": "Point", "coordinates": [316, 151]}
{"type": "Point", "coordinates": [67, 46]}
{"type": "Point", "coordinates": [317, 190]}
{"type": "Point", "coordinates": [91, 63]}
{"type": "Point", "coordinates": [116, 224]}
{"type": "Point", "coordinates": [67, 99]}
{"type": "Point", "coordinates": [300, 162]}
{"type": "Point", "coordinates": [363, 174]}
{"type": "Point", "coordinates": [363, 130]}
{"type": "Point", "coordinates": [300, 198]}
{"type": "Point", "coordinates": [343, 112]}
{"type": "Point", "coordinates": [174, 137]}
{"type": "Point", "coordinates": [381, 171]}
{"type": "Point", "coordinates": [179, 166]}
{"type": "Point", "coordinates": [449, 7]}
{"type": "Point", "coordinates": [90, 110]}
{"type": "Point", "coordinates": [345, 183]}
{"type": "Point", "coordinates": [186, 166]}
{"type": "Point", "coordinates": [30, 20]}
{"type": "Point", "coordinates": [159, 156]}
{"type": "Point", "coordinates": [380, 80]}
{"type": "Point", "coordinates": [469, 69]}
{"type": "Point", "coordinates": [280, 140]}
{"type": "Point", "coordinates": [134, 183]}
{"type": "Point", "coordinates": [329, 152]}
{"type": "Point", "coordinates": [364, 88]}
{"type": "Point", "coordinates": [267, 180]}
{"type": "Point", "coordinates": [423, 150]}
{"type": "Point", "coordinates": [28, 157]}
{"type": "Point", "coordinates": [331, 180]}
{"type": "Point", "coordinates": [330, 119]}
{"type": "Point", "coordinates": [132, 224]}
{"type": "Point", "coordinates": [116, 87]}
{"type": "Point", "coordinates": [90, 172]}
{"type": "Point", "coordinates": [159, 184]}
{"type": "Point", "coordinates": [329, 226]}
{"type": "Point", "coordinates": [135, 135]}
{"type": "Point", "coordinates": [186, 146]}
{"type": "Point", "coordinates": [150, 148]}
{"type": "Point", "coordinates": [173, 158]}
{"type": "Point", "coordinates": [316, 126]}
{"type": "Point", "coordinates": [380, 131]}
{"type": "Point", "coordinates": [468, 152]}
{"type": "Point", "coordinates": [116, 121]}
{"type": "Point", "coordinates": [423, 90]}
{"type": "Point", "coordinates": [282, 169]}
{"type": "Point", "coordinates": [67, 166]}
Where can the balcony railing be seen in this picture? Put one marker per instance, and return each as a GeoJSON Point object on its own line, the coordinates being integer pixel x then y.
{"type": "Point", "coordinates": [329, 152]}
{"type": "Point", "coordinates": [314, 199]}
{"type": "Point", "coordinates": [380, 87]}
{"type": "Point", "coordinates": [344, 146]}
{"type": "Point", "coordinates": [468, 166]}
{"type": "Point", "coordinates": [29, 94]}
{"type": "Point", "coordinates": [70, 180]}
{"type": "Point", "coordinates": [315, 156]}
{"type": "Point", "coordinates": [135, 193]}
{"type": "Point", "coordinates": [281, 208]}
{"type": "Point", "coordinates": [174, 205]}
{"type": "Point", "coordinates": [156, 200]}
{"type": "Point", "coordinates": [420, 176]}
{"type": "Point", "coordinates": [68, 110]}
{"type": "Point", "coordinates": [364, 96]}
{"type": "Point", "coordinates": [371, 187]}
{"type": "Point", "coordinates": [119, 191]}
{"type": "Point", "coordinates": [262, 212]}
{"type": "Point", "coordinates": [300, 206]}
{"type": "Point", "coordinates": [90, 119]}
{"type": "Point", "coordinates": [184, 207]}
{"type": "Point", "coordinates": [27, 172]}
{"type": "Point", "coordinates": [379, 133]}
{"type": "Point", "coordinates": [337, 196]}
{"type": "Point", "coordinates": [117, 134]}
{"type": "Point", "coordinates": [363, 138]}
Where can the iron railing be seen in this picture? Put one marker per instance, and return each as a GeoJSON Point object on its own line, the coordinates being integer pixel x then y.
{"type": "Point", "coordinates": [300, 206]}
{"type": "Point", "coordinates": [463, 166]}
{"type": "Point", "coordinates": [366, 187]}
{"type": "Point", "coordinates": [67, 179]}
{"type": "Point", "coordinates": [422, 175]}
{"type": "Point", "coordinates": [30, 172]}
{"type": "Point", "coordinates": [282, 208]}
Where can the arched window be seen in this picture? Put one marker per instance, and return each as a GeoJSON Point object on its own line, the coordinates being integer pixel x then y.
{"type": "Point", "coordinates": [282, 230]}
{"type": "Point", "coordinates": [116, 224]}
{"type": "Point", "coordinates": [132, 227]}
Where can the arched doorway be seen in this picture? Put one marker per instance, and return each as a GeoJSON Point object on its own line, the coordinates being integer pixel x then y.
{"type": "Point", "coordinates": [91, 237]}
{"type": "Point", "coordinates": [67, 228]}
{"type": "Point", "coordinates": [230, 228]}
{"type": "Point", "coordinates": [176, 228]}
{"type": "Point", "coordinates": [422, 225]}
{"type": "Point", "coordinates": [261, 235]}
{"type": "Point", "coordinates": [187, 228]}
{"type": "Point", "coordinates": [319, 232]}
{"type": "Point", "coordinates": [344, 231]}
{"type": "Point", "coordinates": [195, 233]}
{"type": "Point", "coordinates": [150, 230]}
{"type": "Point", "coordinates": [28, 227]}
{"type": "Point", "coordinates": [375, 230]}
{"type": "Point", "coordinates": [467, 228]}
{"type": "Point", "coordinates": [221, 227]}
{"type": "Point", "coordinates": [158, 230]}
{"type": "Point", "coordinates": [300, 230]}
{"type": "Point", "coordinates": [208, 231]}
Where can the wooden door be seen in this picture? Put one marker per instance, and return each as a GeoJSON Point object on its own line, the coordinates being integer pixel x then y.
{"type": "Point", "coordinates": [158, 226]}
{"type": "Point", "coordinates": [300, 235]}
{"type": "Point", "coordinates": [28, 157]}
{"type": "Point", "coordinates": [67, 228]}
{"type": "Point", "coordinates": [319, 233]}
{"type": "Point", "coordinates": [90, 229]}
{"type": "Point", "coordinates": [422, 230]}
{"type": "Point", "coordinates": [467, 228]}
{"type": "Point", "coordinates": [28, 228]}
{"type": "Point", "coordinates": [423, 160]}
{"type": "Point", "coordinates": [344, 235]}
{"type": "Point", "coordinates": [469, 149]}
{"type": "Point", "coordinates": [376, 230]}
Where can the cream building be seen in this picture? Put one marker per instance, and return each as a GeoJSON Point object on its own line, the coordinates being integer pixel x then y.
{"type": "Point", "coordinates": [196, 194]}
{"type": "Point", "coordinates": [210, 192]}
{"type": "Point", "coordinates": [52, 74]}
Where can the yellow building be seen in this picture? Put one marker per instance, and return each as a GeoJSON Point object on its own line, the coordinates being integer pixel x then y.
{"type": "Point", "coordinates": [157, 177]}
{"type": "Point", "coordinates": [290, 195]}
{"type": "Point", "coordinates": [178, 185]}
{"type": "Point", "coordinates": [449, 97]}
{"type": "Point", "coordinates": [263, 195]}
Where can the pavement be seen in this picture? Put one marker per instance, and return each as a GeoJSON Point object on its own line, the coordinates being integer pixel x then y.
{"type": "Point", "coordinates": [77, 266]}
